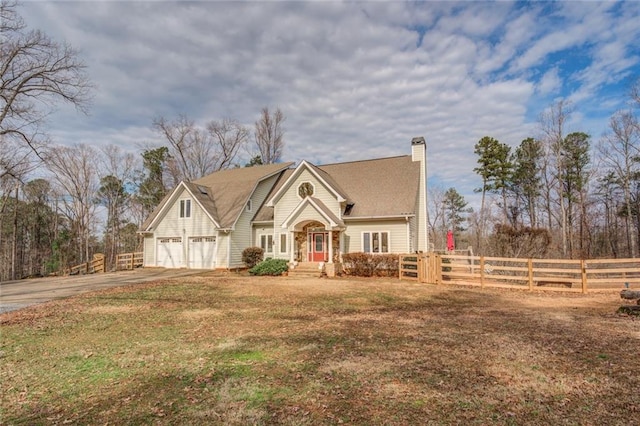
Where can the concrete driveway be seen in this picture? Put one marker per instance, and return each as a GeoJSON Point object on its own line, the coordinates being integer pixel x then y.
{"type": "Point", "coordinates": [19, 294]}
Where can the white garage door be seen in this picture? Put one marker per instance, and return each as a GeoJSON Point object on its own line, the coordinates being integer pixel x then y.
{"type": "Point", "coordinates": [169, 252]}
{"type": "Point", "coordinates": [201, 252]}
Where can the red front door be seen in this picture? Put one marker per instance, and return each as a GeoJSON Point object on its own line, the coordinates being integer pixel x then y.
{"type": "Point", "coordinates": [318, 248]}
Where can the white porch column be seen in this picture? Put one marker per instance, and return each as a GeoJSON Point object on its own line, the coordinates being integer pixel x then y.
{"type": "Point", "coordinates": [330, 246]}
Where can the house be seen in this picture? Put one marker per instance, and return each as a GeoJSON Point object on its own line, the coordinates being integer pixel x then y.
{"type": "Point", "coordinates": [302, 213]}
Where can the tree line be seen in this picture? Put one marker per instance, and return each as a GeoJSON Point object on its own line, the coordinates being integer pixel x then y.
{"type": "Point", "coordinates": [60, 204]}
{"type": "Point", "coordinates": [83, 200]}
{"type": "Point", "coordinates": [553, 195]}
{"type": "Point", "coordinates": [560, 194]}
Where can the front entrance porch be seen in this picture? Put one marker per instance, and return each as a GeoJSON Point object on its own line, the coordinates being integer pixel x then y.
{"type": "Point", "coordinates": [315, 243]}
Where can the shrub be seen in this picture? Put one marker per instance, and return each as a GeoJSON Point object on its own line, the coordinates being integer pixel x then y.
{"type": "Point", "coordinates": [251, 256]}
{"type": "Point", "coordinates": [369, 265]}
{"type": "Point", "coordinates": [270, 267]}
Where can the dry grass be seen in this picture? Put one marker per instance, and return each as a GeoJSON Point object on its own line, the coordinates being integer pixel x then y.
{"type": "Point", "coordinates": [230, 349]}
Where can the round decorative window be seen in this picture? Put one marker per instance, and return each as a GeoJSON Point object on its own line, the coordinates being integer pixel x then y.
{"type": "Point", "coordinates": [305, 189]}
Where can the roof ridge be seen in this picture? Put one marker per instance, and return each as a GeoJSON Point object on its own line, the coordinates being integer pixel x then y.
{"type": "Point", "coordinates": [363, 161]}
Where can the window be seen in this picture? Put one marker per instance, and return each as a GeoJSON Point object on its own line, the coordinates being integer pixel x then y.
{"type": "Point", "coordinates": [185, 208]}
{"type": "Point", "coordinates": [375, 242]}
{"type": "Point", "coordinates": [249, 206]}
{"type": "Point", "coordinates": [283, 243]}
{"type": "Point", "coordinates": [266, 243]}
{"type": "Point", "coordinates": [305, 189]}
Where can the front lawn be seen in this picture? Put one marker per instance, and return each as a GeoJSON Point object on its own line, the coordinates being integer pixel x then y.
{"type": "Point", "coordinates": [231, 349]}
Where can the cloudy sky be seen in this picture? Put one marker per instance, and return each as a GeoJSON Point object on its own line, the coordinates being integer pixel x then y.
{"type": "Point", "coordinates": [356, 80]}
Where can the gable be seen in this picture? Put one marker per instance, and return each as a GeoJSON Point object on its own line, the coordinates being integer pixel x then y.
{"type": "Point", "coordinates": [169, 220]}
{"type": "Point", "coordinates": [320, 189]}
{"type": "Point", "coordinates": [313, 209]}
{"type": "Point", "coordinates": [308, 172]}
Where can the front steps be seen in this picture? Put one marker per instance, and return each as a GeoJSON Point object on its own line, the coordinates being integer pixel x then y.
{"type": "Point", "coordinates": [306, 270]}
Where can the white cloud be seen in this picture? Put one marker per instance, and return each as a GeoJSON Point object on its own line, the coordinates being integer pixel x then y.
{"type": "Point", "coordinates": [550, 82]}
{"type": "Point", "coordinates": [355, 80]}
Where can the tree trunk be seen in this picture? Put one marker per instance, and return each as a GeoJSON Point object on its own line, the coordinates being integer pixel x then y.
{"type": "Point", "coordinates": [14, 243]}
{"type": "Point", "coordinates": [481, 239]}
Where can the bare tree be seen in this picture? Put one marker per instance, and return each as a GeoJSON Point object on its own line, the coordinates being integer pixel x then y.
{"type": "Point", "coordinates": [35, 73]}
{"type": "Point", "coordinates": [620, 149]}
{"type": "Point", "coordinates": [117, 162]}
{"type": "Point", "coordinates": [180, 134]}
{"type": "Point", "coordinates": [436, 216]}
{"type": "Point", "coordinates": [269, 135]}
{"type": "Point", "coordinates": [229, 136]}
{"type": "Point", "coordinates": [117, 173]}
{"type": "Point", "coordinates": [74, 171]}
{"type": "Point", "coordinates": [635, 92]}
{"type": "Point", "coordinates": [195, 152]}
{"type": "Point", "coordinates": [552, 124]}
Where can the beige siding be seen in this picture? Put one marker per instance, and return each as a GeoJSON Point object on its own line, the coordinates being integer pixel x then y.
{"type": "Point", "coordinates": [288, 203]}
{"type": "Point", "coordinates": [170, 224]}
{"type": "Point", "coordinates": [290, 199]}
{"type": "Point", "coordinates": [413, 236]}
{"type": "Point", "coordinates": [287, 254]}
{"type": "Point", "coordinates": [242, 236]}
{"type": "Point", "coordinates": [264, 230]}
{"type": "Point", "coordinates": [308, 213]}
{"type": "Point", "coordinates": [397, 235]}
{"type": "Point", "coordinates": [149, 250]}
{"type": "Point", "coordinates": [222, 250]}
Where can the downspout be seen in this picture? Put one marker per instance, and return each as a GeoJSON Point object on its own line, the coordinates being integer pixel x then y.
{"type": "Point", "coordinates": [215, 254]}
{"type": "Point", "coordinates": [409, 248]}
{"type": "Point", "coordinates": [228, 250]}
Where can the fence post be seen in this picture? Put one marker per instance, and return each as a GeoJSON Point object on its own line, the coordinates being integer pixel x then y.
{"type": "Point", "coordinates": [482, 271]}
{"type": "Point", "coordinates": [530, 267]}
{"type": "Point", "coordinates": [583, 272]}
{"type": "Point", "coordinates": [131, 262]}
{"type": "Point", "coordinates": [438, 268]}
{"type": "Point", "coordinates": [420, 261]}
{"type": "Point", "coordinates": [433, 272]}
{"type": "Point", "coordinates": [399, 266]}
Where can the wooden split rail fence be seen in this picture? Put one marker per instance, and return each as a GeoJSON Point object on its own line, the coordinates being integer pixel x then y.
{"type": "Point", "coordinates": [94, 266]}
{"type": "Point", "coordinates": [126, 261]}
{"type": "Point", "coordinates": [528, 274]}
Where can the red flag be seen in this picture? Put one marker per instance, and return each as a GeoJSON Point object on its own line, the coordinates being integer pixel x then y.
{"type": "Point", "coordinates": [450, 244]}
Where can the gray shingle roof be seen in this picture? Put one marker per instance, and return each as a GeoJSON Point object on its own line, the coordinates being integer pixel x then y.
{"type": "Point", "coordinates": [227, 192]}
{"type": "Point", "coordinates": [232, 188]}
{"type": "Point", "coordinates": [376, 188]}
